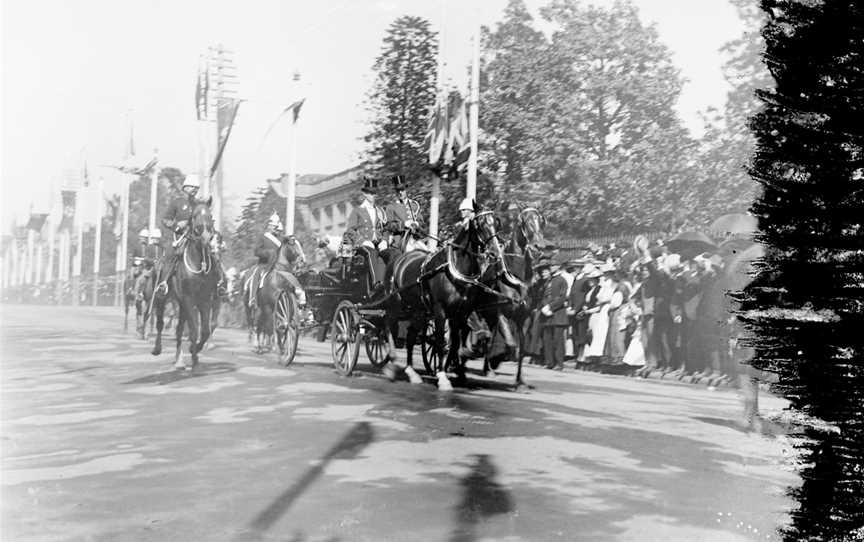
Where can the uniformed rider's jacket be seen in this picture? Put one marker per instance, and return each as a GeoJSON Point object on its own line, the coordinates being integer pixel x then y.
{"type": "Point", "coordinates": [267, 249]}
{"type": "Point", "coordinates": [179, 209]}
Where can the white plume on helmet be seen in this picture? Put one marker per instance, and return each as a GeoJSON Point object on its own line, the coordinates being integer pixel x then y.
{"type": "Point", "coordinates": [192, 180]}
{"type": "Point", "coordinates": [466, 205]}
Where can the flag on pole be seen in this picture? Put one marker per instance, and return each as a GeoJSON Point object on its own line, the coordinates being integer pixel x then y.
{"type": "Point", "coordinates": [37, 221]}
{"type": "Point", "coordinates": [295, 109]}
{"type": "Point", "coordinates": [447, 136]}
{"type": "Point", "coordinates": [202, 89]}
{"type": "Point", "coordinates": [68, 220]}
{"type": "Point", "coordinates": [226, 115]}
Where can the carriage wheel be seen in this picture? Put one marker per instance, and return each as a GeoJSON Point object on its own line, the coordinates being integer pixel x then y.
{"type": "Point", "coordinates": [428, 350]}
{"type": "Point", "coordinates": [286, 326]}
{"type": "Point", "coordinates": [377, 348]}
{"type": "Point", "coordinates": [345, 338]}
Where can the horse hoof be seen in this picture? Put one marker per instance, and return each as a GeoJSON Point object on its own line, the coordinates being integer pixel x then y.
{"type": "Point", "coordinates": [389, 371]}
{"type": "Point", "coordinates": [413, 377]}
{"type": "Point", "coordinates": [179, 365]}
{"type": "Point", "coordinates": [156, 351]}
{"type": "Point", "coordinates": [444, 383]}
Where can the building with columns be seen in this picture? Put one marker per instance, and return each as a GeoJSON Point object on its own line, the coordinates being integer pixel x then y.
{"type": "Point", "coordinates": [325, 201]}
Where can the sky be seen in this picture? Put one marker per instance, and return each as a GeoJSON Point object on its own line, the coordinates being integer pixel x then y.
{"type": "Point", "coordinates": [74, 73]}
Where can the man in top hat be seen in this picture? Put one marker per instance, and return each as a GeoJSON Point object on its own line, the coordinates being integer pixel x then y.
{"type": "Point", "coordinates": [403, 214]}
{"type": "Point", "coordinates": [554, 319]}
{"type": "Point", "coordinates": [365, 224]}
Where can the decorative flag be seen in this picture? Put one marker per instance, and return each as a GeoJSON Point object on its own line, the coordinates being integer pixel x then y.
{"type": "Point", "coordinates": [447, 136]}
{"type": "Point", "coordinates": [225, 117]}
{"type": "Point", "coordinates": [202, 89]}
{"type": "Point", "coordinates": [295, 108]}
{"type": "Point", "coordinates": [37, 221]}
{"type": "Point", "coordinates": [68, 219]}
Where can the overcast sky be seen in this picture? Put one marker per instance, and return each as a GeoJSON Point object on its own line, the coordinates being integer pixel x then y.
{"type": "Point", "coordinates": [72, 69]}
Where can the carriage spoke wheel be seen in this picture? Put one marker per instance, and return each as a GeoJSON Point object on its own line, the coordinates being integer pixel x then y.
{"type": "Point", "coordinates": [377, 348]}
{"type": "Point", "coordinates": [286, 327]}
{"type": "Point", "coordinates": [345, 338]}
{"type": "Point", "coordinates": [429, 349]}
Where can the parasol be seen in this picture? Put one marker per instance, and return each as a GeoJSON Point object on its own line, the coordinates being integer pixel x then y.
{"type": "Point", "coordinates": [690, 243]}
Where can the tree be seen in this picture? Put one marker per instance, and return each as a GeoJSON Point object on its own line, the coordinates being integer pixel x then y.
{"type": "Point", "coordinates": [400, 99]}
{"type": "Point", "coordinates": [806, 306]}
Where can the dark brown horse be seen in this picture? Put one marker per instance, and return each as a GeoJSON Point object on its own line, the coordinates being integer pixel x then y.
{"type": "Point", "coordinates": [273, 280]}
{"type": "Point", "coordinates": [511, 276]}
{"type": "Point", "coordinates": [445, 286]}
{"type": "Point", "coordinates": [193, 286]}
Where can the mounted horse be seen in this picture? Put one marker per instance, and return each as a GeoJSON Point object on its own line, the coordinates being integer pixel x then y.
{"type": "Point", "coordinates": [511, 277]}
{"type": "Point", "coordinates": [273, 280]}
{"type": "Point", "coordinates": [444, 285]}
{"type": "Point", "coordinates": [192, 284]}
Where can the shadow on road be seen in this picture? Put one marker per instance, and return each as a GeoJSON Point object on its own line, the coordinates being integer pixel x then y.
{"type": "Point", "coordinates": [482, 497]}
{"type": "Point", "coordinates": [169, 377]}
{"type": "Point", "coordinates": [354, 441]}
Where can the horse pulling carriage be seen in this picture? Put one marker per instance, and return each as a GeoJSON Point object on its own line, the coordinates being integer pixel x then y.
{"type": "Point", "coordinates": [429, 295]}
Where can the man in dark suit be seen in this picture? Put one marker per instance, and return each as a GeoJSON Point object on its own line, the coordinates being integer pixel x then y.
{"type": "Point", "coordinates": [403, 215]}
{"type": "Point", "coordinates": [554, 319]}
{"type": "Point", "coordinates": [575, 302]}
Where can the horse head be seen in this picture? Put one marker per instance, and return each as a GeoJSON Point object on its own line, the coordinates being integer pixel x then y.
{"type": "Point", "coordinates": [202, 221]}
{"type": "Point", "coordinates": [529, 235]}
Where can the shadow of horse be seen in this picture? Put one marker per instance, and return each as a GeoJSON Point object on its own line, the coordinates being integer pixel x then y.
{"type": "Point", "coordinates": [169, 377]}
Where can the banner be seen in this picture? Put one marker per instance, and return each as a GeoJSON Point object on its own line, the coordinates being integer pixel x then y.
{"type": "Point", "coordinates": [202, 89]}
{"type": "Point", "coordinates": [447, 136]}
{"type": "Point", "coordinates": [68, 220]}
{"type": "Point", "coordinates": [37, 221]}
{"type": "Point", "coordinates": [225, 119]}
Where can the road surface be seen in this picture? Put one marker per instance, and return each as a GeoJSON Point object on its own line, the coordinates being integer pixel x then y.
{"type": "Point", "coordinates": [102, 441]}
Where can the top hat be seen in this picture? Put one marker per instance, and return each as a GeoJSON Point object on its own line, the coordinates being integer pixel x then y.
{"type": "Point", "coordinates": [370, 185]}
{"type": "Point", "coordinates": [398, 182]}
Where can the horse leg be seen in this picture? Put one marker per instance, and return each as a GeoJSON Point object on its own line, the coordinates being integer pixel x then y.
{"type": "Point", "coordinates": [158, 303]}
{"type": "Point", "coordinates": [441, 373]}
{"type": "Point", "coordinates": [199, 331]}
{"type": "Point", "coordinates": [410, 340]}
{"type": "Point", "coordinates": [126, 314]}
{"type": "Point", "coordinates": [182, 317]}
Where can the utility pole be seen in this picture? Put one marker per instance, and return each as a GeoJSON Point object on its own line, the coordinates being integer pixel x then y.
{"type": "Point", "coordinates": [291, 189]}
{"type": "Point", "coordinates": [223, 73]}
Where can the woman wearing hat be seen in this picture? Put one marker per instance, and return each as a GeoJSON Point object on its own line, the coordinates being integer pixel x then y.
{"type": "Point", "coordinates": [598, 311]}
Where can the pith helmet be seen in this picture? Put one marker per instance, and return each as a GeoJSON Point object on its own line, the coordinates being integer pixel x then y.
{"type": "Point", "coordinates": [192, 180]}
{"type": "Point", "coordinates": [466, 205]}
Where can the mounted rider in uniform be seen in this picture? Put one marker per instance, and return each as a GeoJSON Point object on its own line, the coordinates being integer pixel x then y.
{"type": "Point", "coordinates": [366, 225]}
{"type": "Point", "coordinates": [176, 219]}
{"type": "Point", "coordinates": [267, 251]}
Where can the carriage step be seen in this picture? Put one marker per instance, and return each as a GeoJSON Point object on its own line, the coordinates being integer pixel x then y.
{"type": "Point", "coordinates": [373, 312]}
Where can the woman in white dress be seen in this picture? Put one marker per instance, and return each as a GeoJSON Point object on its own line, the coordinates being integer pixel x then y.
{"type": "Point", "coordinates": [598, 321]}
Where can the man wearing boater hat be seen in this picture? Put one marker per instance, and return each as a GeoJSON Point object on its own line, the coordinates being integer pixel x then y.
{"type": "Point", "coordinates": [365, 224]}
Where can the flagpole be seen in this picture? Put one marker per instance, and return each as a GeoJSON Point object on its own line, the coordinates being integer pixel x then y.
{"type": "Point", "coordinates": [154, 187]}
{"type": "Point", "coordinates": [291, 189]}
{"type": "Point", "coordinates": [28, 273]}
{"type": "Point", "coordinates": [49, 272]}
{"type": "Point", "coordinates": [97, 243]}
{"type": "Point", "coordinates": [474, 119]}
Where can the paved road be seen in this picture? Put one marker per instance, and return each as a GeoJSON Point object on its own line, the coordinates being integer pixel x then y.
{"type": "Point", "coordinates": [101, 441]}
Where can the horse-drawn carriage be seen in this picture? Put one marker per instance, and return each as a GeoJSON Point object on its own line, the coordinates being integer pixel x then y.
{"type": "Point", "coordinates": [427, 295]}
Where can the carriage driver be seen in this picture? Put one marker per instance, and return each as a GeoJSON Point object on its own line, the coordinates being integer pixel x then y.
{"type": "Point", "coordinates": [365, 224]}
{"type": "Point", "coordinates": [176, 219]}
{"type": "Point", "coordinates": [404, 214]}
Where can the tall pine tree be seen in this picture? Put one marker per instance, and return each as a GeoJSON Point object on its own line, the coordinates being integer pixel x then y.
{"type": "Point", "coordinates": [399, 102]}
{"type": "Point", "coordinates": [807, 304]}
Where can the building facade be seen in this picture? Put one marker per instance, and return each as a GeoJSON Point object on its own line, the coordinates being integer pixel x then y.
{"type": "Point", "coordinates": [325, 201]}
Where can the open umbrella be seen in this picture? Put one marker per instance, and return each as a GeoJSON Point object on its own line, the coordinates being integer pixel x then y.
{"type": "Point", "coordinates": [735, 223]}
{"type": "Point", "coordinates": [690, 243]}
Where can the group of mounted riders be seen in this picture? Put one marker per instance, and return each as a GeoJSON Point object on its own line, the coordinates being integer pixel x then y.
{"type": "Point", "coordinates": [471, 283]}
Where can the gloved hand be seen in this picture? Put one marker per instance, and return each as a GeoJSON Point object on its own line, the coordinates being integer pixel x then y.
{"type": "Point", "coordinates": [180, 225]}
{"type": "Point", "coordinates": [546, 311]}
